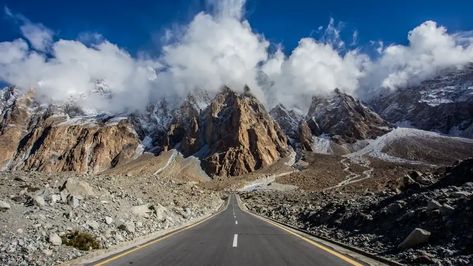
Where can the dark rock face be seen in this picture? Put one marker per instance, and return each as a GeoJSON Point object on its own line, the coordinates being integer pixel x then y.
{"type": "Point", "coordinates": [344, 118]}
{"type": "Point", "coordinates": [443, 104]}
{"type": "Point", "coordinates": [339, 117]}
{"type": "Point", "coordinates": [305, 136]}
{"type": "Point", "coordinates": [288, 120]}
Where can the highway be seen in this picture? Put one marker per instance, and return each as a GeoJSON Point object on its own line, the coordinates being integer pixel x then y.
{"type": "Point", "coordinates": [232, 237]}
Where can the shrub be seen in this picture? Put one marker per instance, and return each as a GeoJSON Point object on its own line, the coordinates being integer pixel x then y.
{"type": "Point", "coordinates": [81, 240]}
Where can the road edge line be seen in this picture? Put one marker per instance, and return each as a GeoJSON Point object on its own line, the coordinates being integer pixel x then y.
{"type": "Point", "coordinates": [118, 253]}
{"type": "Point", "coordinates": [318, 240]}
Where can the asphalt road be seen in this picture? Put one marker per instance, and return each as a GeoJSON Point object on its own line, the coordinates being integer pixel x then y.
{"type": "Point", "coordinates": [233, 237]}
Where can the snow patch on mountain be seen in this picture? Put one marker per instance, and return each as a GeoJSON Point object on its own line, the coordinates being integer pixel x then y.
{"type": "Point", "coordinates": [322, 144]}
{"type": "Point", "coordinates": [375, 147]}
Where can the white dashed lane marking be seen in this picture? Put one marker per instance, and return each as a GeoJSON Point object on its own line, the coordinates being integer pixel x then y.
{"type": "Point", "coordinates": [235, 240]}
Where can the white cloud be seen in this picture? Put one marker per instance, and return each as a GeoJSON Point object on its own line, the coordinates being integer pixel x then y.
{"type": "Point", "coordinates": [313, 68]}
{"type": "Point", "coordinates": [220, 48]}
{"type": "Point", "coordinates": [227, 8]}
{"type": "Point", "coordinates": [39, 36]}
{"type": "Point", "coordinates": [430, 49]}
{"type": "Point", "coordinates": [72, 70]}
{"type": "Point", "coordinates": [214, 50]}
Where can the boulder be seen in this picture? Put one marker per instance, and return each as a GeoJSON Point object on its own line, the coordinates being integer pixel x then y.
{"type": "Point", "coordinates": [55, 239]}
{"type": "Point", "coordinates": [141, 210]}
{"type": "Point", "coordinates": [78, 188]}
{"type": "Point", "coordinates": [407, 182]}
{"type": "Point", "coordinates": [416, 237]}
{"type": "Point", "coordinates": [433, 205]}
{"type": "Point", "coordinates": [55, 198]}
{"type": "Point", "coordinates": [92, 224]}
{"type": "Point", "coordinates": [39, 201]}
{"type": "Point", "coordinates": [446, 209]}
{"type": "Point", "coordinates": [64, 195]}
{"type": "Point", "coordinates": [73, 201]}
{"type": "Point", "coordinates": [462, 194]}
{"type": "Point", "coordinates": [108, 220]}
{"type": "Point", "coordinates": [128, 227]}
{"type": "Point", "coordinates": [4, 206]}
{"type": "Point", "coordinates": [160, 212]}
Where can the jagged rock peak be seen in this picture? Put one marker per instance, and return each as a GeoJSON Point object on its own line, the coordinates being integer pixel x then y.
{"type": "Point", "coordinates": [443, 103]}
{"type": "Point", "coordinates": [345, 118]}
{"type": "Point", "coordinates": [288, 120]}
{"type": "Point", "coordinates": [46, 138]}
{"type": "Point", "coordinates": [234, 135]}
{"type": "Point", "coordinates": [240, 135]}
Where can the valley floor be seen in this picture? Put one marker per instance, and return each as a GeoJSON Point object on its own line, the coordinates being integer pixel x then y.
{"type": "Point", "coordinates": [437, 208]}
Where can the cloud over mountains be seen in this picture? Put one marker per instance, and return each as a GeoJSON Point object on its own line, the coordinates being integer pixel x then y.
{"type": "Point", "coordinates": [219, 47]}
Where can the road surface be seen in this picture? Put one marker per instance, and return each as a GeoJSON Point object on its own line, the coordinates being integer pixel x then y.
{"type": "Point", "coordinates": [232, 237]}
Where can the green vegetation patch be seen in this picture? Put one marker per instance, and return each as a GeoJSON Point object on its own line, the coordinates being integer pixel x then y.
{"type": "Point", "coordinates": [81, 240]}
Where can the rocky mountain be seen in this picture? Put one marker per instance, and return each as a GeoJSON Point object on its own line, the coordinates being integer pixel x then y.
{"type": "Point", "coordinates": [332, 123]}
{"type": "Point", "coordinates": [443, 104]}
{"type": "Point", "coordinates": [345, 119]}
{"type": "Point", "coordinates": [46, 138]}
{"type": "Point", "coordinates": [234, 135]}
{"type": "Point", "coordinates": [288, 120]}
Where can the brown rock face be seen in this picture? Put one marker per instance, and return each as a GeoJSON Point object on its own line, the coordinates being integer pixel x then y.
{"type": "Point", "coordinates": [44, 140]}
{"type": "Point", "coordinates": [13, 123]}
{"type": "Point", "coordinates": [81, 148]}
{"type": "Point", "coordinates": [305, 136]}
{"type": "Point", "coordinates": [241, 136]}
{"type": "Point", "coordinates": [234, 135]}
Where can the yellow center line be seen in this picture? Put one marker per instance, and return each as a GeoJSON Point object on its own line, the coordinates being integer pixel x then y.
{"type": "Point", "coordinates": [313, 243]}
{"type": "Point", "coordinates": [138, 247]}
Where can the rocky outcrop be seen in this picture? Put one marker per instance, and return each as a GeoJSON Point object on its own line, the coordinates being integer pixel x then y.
{"type": "Point", "coordinates": [77, 147]}
{"type": "Point", "coordinates": [14, 120]}
{"type": "Point", "coordinates": [305, 136]}
{"type": "Point", "coordinates": [234, 135]}
{"type": "Point", "coordinates": [345, 119]}
{"type": "Point", "coordinates": [184, 130]}
{"type": "Point", "coordinates": [240, 135]}
{"type": "Point", "coordinates": [47, 139]}
{"type": "Point", "coordinates": [433, 217]}
{"type": "Point", "coordinates": [332, 124]}
{"type": "Point", "coordinates": [288, 120]}
{"type": "Point", "coordinates": [443, 104]}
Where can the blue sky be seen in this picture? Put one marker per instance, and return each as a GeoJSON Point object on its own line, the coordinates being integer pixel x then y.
{"type": "Point", "coordinates": [138, 25]}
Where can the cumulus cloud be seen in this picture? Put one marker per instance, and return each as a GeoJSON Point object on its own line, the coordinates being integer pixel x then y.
{"type": "Point", "coordinates": [214, 50]}
{"type": "Point", "coordinates": [218, 47]}
{"type": "Point", "coordinates": [317, 67]}
{"type": "Point", "coordinates": [39, 36]}
{"type": "Point", "coordinates": [430, 50]}
{"type": "Point", "coordinates": [100, 77]}
{"type": "Point", "coordinates": [313, 68]}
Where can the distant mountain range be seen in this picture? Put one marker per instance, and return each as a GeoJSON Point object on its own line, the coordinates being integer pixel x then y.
{"type": "Point", "coordinates": [231, 133]}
